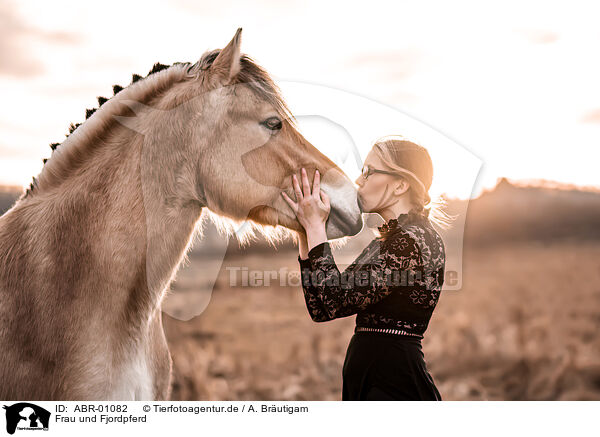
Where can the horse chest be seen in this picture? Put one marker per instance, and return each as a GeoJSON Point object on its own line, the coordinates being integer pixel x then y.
{"type": "Point", "coordinates": [133, 379]}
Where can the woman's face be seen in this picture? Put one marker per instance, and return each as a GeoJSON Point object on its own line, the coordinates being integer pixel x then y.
{"type": "Point", "coordinates": [379, 191]}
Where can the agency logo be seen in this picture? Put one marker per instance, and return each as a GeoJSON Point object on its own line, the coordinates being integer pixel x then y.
{"type": "Point", "coordinates": [26, 416]}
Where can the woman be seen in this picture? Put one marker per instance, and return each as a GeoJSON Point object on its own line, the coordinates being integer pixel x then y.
{"type": "Point", "coordinates": [393, 286]}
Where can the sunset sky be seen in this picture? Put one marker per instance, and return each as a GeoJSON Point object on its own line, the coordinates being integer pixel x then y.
{"type": "Point", "coordinates": [514, 84]}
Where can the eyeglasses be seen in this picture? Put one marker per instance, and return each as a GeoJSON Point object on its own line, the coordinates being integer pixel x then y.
{"type": "Point", "coordinates": [368, 171]}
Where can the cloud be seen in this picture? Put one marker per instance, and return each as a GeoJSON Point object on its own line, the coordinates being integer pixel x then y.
{"type": "Point", "coordinates": [539, 36]}
{"type": "Point", "coordinates": [398, 64]}
{"type": "Point", "coordinates": [592, 117]}
{"type": "Point", "coordinates": [13, 152]}
{"type": "Point", "coordinates": [15, 36]}
{"type": "Point", "coordinates": [216, 8]}
{"type": "Point", "coordinates": [386, 73]}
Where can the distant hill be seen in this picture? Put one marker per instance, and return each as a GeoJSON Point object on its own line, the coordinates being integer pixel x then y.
{"type": "Point", "coordinates": [8, 196]}
{"type": "Point", "coordinates": [506, 213]}
{"type": "Point", "coordinates": [513, 212]}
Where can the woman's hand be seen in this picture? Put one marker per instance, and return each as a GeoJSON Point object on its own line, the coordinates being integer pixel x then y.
{"type": "Point", "coordinates": [312, 208]}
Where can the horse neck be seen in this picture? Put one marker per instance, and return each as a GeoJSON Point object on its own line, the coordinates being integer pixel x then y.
{"type": "Point", "coordinates": [108, 221]}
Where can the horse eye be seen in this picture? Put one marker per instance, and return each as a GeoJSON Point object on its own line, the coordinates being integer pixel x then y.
{"type": "Point", "coordinates": [272, 123]}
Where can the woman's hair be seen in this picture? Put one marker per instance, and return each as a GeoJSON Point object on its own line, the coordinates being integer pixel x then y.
{"type": "Point", "coordinates": [413, 163]}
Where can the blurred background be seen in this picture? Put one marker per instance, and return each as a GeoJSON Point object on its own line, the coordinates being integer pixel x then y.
{"type": "Point", "coordinates": [514, 83]}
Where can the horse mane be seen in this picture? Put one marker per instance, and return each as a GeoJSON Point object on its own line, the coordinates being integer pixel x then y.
{"type": "Point", "coordinates": [142, 89]}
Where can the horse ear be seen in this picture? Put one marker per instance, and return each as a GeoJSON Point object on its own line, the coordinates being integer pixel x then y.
{"type": "Point", "coordinates": [227, 64]}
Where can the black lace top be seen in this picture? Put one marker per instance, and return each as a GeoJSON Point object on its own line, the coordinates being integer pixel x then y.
{"type": "Point", "coordinates": [394, 283]}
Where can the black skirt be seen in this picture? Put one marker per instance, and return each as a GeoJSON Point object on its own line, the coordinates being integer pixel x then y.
{"type": "Point", "coordinates": [386, 367]}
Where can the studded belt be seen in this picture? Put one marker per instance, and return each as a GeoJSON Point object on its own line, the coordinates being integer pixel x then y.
{"type": "Point", "coordinates": [386, 331]}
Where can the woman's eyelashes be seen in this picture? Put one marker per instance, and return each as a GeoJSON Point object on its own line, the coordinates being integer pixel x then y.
{"type": "Point", "coordinates": [272, 123]}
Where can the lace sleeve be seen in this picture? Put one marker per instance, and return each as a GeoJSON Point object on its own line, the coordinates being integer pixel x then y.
{"type": "Point", "coordinates": [313, 304]}
{"type": "Point", "coordinates": [330, 294]}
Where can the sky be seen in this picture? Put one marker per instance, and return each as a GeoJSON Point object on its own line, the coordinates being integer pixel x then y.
{"type": "Point", "coordinates": [513, 85]}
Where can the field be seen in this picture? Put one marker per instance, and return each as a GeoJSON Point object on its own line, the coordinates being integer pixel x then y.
{"type": "Point", "coordinates": [524, 327]}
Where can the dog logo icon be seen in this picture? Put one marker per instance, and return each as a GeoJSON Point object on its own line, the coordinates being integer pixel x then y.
{"type": "Point", "coordinates": [26, 416]}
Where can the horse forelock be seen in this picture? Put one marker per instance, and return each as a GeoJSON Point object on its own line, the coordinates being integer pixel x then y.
{"type": "Point", "coordinates": [253, 75]}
